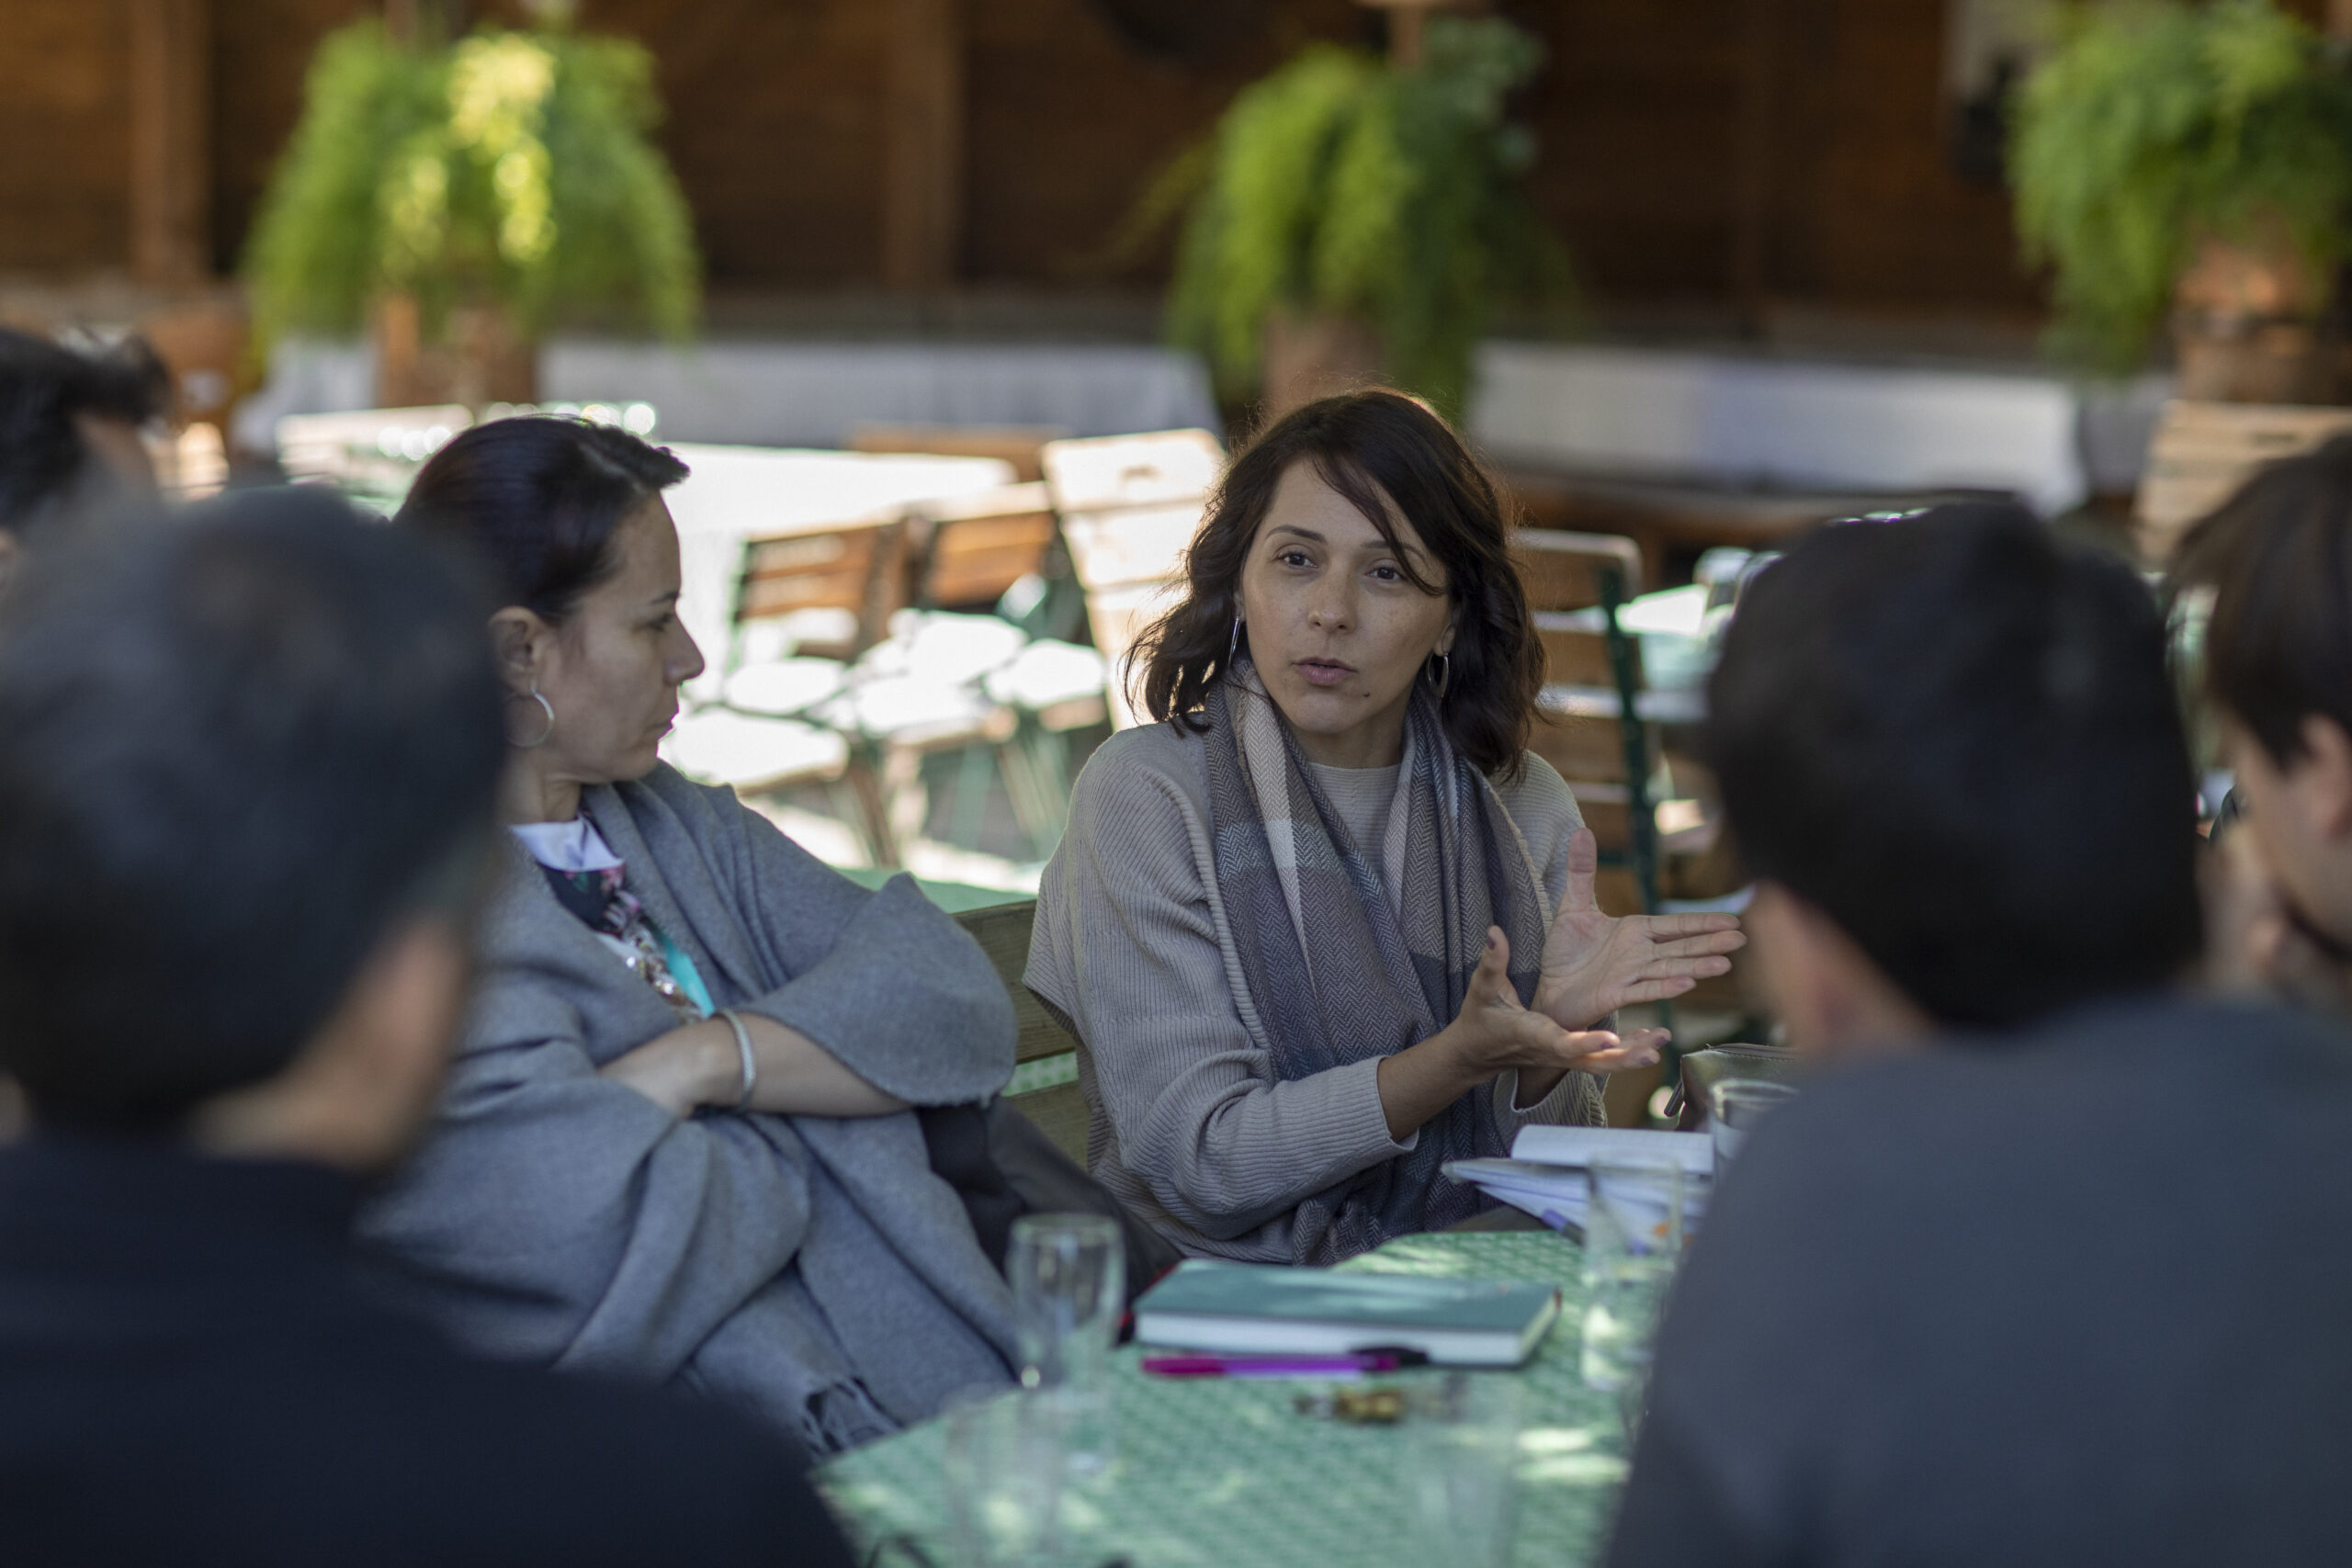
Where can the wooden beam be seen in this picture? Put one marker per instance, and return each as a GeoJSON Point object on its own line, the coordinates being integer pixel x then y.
{"type": "Point", "coordinates": [922, 150]}
{"type": "Point", "coordinates": [1751, 251]}
{"type": "Point", "coordinates": [171, 142]}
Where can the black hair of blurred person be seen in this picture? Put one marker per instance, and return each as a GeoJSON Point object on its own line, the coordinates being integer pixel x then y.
{"type": "Point", "coordinates": [69, 422]}
{"type": "Point", "coordinates": [240, 748]}
{"type": "Point", "coordinates": [1956, 737]}
{"type": "Point", "coordinates": [540, 500]}
{"type": "Point", "coordinates": [2278, 559]}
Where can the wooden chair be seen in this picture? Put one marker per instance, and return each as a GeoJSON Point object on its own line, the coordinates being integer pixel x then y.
{"type": "Point", "coordinates": [965, 553]}
{"type": "Point", "coordinates": [1130, 506]}
{"type": "Point", "coordinates": [1044, 1053]}
{"type": "Point", "coordinates": [856, 569]}
{"type": "Point", "coordinates": [769, 732]}
{"type": "Point", "coordinates": [2202, 453]}
{"type": "Point", "coordinates": [1602, 736]}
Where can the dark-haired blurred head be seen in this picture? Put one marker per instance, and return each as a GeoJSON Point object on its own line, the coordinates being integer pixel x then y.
{"type": "Point", "coordinates": [246, 751]}
{"type": "Point", "coordinates": [1951, 743]}
{"type": "Point", "coordinates": [70, 425]}
{"type": "Point", "coordinates": [2276, 560]}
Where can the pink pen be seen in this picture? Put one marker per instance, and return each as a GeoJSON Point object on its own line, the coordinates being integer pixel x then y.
{"type": "Point", "coordinates": [1273, 1366]}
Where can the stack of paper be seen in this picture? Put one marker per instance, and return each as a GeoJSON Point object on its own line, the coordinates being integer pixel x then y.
{"type": "Point", "coordinates": [1546, 1173]}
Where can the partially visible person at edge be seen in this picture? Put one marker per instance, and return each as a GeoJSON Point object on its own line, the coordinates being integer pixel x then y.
{"type": "Point", "coordinates": [2275, 565]}
{"type": "Point", "coordinates": [679, 1142]}
{"type": "Point", "coordinates": [2041, 1268]}
{"type": "Point", "coordinates": [70, 444]}
{"type": "Point", "coordinates": [1329, 924]}
{"type": "Point", "coordinates": [245, 806]}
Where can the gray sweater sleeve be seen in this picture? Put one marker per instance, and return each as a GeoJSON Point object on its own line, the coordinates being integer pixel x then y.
{"type": "Point", "coordinates": [1128, 952]}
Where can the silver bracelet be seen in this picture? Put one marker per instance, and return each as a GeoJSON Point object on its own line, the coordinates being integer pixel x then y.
{"type": "Point", "coordinates": [750, 1062]}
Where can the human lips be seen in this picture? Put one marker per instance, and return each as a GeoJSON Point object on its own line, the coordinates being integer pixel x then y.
{"type": "Point", "coordinates": [1324, 671]}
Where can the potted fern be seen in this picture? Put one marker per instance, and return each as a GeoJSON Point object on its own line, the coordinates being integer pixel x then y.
{"type": "Point", "coordinates": [2190, 163]}
{"type": "Point", "coordinates": [460, 199]}
{"type": "Point", "coordinates": [1352, 219]}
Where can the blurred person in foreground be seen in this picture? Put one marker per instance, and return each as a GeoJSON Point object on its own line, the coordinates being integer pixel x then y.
{"type": "Point", "coordinates": [2277, 562]}
{"type": "Point", "coordinates": [685, 1136]}
{"type": "Point", "coordinates": [70, 444]}
{"type": "Point", "coordinates": [2045, 1264]}
{"type": "Point", "coordinates": [244, 805]}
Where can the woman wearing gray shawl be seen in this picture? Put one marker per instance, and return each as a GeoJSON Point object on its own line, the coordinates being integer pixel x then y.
{"type": "Point", "coordinates": [677, 1143]}
{"type": "Point", "coordinates": [1330, 926]}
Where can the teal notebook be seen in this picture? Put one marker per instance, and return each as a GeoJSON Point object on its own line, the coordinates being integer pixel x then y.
{"type": "Point", "coordinates": [1248, 1309]}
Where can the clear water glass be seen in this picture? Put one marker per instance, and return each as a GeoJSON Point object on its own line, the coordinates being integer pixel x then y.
{"type": "Point", "coordinates": [1736, 1106]}
{"type": "Point", "coordinates": [1461, 1483]}
{"type": "Point", "coordinates": [1068, 1276]}
{"type": "Point", "coordinates": [1003, 1469]}
{"type": "Point", "coordinates": [1635, 1223]}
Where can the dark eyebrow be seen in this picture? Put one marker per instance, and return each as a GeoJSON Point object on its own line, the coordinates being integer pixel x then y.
{"type": "Point", "coordinates": [1378, 545]}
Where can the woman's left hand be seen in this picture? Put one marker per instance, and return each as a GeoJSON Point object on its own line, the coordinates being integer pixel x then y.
{"type": "Point", "coordinates": [1595, 963]}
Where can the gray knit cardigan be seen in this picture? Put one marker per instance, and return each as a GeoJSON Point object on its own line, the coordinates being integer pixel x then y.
{"type": "Point", "coordinates": [1189, 1124]}
{"type": "Point", "coordinates": [811, 1269]}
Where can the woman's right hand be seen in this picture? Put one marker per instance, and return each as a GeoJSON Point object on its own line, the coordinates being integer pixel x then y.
{"type": "Point", "coordinates": [684, 1069]}
{"type": "Point", "coordinates": [699, 1064]}
{"type": "Point", "coordinates": [1492, 1034]}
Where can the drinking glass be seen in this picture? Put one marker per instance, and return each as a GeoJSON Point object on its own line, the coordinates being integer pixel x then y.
{"type": "Point", "coordinates": [1737, 1105]}
{"type": "Point", "coordinates": [1461, 1478]}
{"type": "Point", "coordinates": [1068, 1275]}
{"type": "Point", "coordinates": [1634, 1229]}
{"type": "Point", "coordinates": [1003, 1469]}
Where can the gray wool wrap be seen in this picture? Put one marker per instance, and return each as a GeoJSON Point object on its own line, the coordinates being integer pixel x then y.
{"type": "Point", "coordinates": [810, 1269]}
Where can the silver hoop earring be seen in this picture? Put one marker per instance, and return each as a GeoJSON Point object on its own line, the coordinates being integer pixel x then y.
{"type": "Point", "coordinates": [1444, 672]}
{"type": "Point", "coordinates": [546, 707]}
{"type": "Point", "coordinates": [1233, 648]}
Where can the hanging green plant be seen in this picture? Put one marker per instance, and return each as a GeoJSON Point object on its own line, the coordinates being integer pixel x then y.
{"type": "Point", "coordinates": [2156, 127]}
{"type": "Point", "coordinates": [509, 168]}
{"type": "Point", "coordinates": [1343, 185]}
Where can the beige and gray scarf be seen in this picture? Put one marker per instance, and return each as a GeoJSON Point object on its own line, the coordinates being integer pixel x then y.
{"type": "Point", "coordinates": [1338, 973]}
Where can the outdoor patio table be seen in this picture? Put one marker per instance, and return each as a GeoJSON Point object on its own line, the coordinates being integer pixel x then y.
{"type": "Point", "coordinates": [1227, 1473]}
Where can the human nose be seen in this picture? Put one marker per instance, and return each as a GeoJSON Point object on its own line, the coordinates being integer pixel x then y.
{"type": "Point", "coordinates": [1330, 603]}
{"type": "Point", "coordinates": [686, 661]}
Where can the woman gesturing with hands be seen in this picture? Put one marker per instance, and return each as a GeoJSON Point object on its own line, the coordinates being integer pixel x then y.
{"type": "Point", "coordinates": [1329, 925]}
{"type": "Point", "coordinates": [1593, 964]}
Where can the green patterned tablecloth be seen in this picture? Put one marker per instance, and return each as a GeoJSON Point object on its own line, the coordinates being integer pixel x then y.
{"type": "Point", "coordinates": [1227, 1474]}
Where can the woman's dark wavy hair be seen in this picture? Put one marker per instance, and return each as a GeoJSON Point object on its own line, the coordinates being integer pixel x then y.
{"type": "Point", "coordinates": [538, 500]}
{"type": "Point", "coordinates": [1367, 445]}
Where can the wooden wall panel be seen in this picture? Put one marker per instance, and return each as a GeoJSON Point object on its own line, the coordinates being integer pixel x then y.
{"type": "Point", "coordinates": [776, 129]}
{"type": "Point", "coordinates": [1672, 180]}
{"type": "Point", "coordinates": [1867, 208]}
{"type": "Point", "coordinates": [260, 49]}
{"type": "Point", "coordinates": [1069, 121]}
{"type": "Point", "coordinates": [64, 178]}
{"type": "Point", "coordinates": [1636, 124]}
